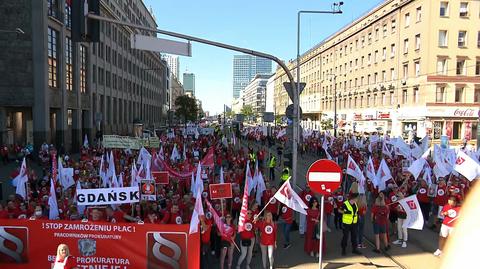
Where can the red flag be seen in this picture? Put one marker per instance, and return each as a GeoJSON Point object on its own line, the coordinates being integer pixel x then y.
{"type": "Point", "coordinates": [243, 211]}
{"type": "Point", "coordinates": [223, 229]}
{"type": "Point", "coordinates": [54, 168]}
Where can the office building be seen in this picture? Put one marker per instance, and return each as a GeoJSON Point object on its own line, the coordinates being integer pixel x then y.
{"type": "Point", "coordinates": [173, 63]}
{"type": "Point", "coordinates": [254, 94]}
{"type": "Point", "coordinates": [245, 68]}
{"type": "Point", "coordinates": [405, 66]}
{"type": "Point", "coordinates": [189, 83]}
{"type": "Point", "coordinates": [56, 91]}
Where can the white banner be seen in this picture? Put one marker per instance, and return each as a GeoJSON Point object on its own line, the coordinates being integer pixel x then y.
{"type": "Point", "coordinates": [108, 196]}
{"type": "Point", "coordinates": [414, 213]}
{"type": "Point", "coordinates": [126, 142]}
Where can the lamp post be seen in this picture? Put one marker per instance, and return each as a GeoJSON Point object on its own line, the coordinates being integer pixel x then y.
{"type": "Point", "coordinates": [296, 94]}
{"type": "Point", "coordinates": [16, 31]}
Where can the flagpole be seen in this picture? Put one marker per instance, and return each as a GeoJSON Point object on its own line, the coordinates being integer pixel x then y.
{"type": "Point", "coordinates": [322, 200]}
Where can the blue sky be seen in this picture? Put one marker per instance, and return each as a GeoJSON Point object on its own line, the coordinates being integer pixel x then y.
{"type": "Point", "coordinates": [265, 25]}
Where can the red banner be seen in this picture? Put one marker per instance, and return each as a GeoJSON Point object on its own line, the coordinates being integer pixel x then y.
{"type": "Point", "coordinates": [161, 165]}
{"type": "Point", "coordinates": [33, 244]}
{"type": "Point", "coordinates": [221, 191]}
{"type": "Point", "coordinates": [161, 177]}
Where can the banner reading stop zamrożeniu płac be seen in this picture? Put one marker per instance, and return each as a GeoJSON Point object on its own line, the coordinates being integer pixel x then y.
{"type": "Point", "coordinates": [33, 244]}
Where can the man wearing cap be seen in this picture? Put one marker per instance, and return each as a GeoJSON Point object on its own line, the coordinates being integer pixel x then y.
{"type": "Point", "coordinates": [349, 212]}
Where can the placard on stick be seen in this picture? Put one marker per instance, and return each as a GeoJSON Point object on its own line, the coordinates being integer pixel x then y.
{"type": "Point", "coordinates": [221, 191]}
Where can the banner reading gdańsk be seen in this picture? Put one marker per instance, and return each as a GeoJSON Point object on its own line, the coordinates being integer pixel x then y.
{"type": "Point", "coordinates": [33, 244]}
{"type": "Point", "coordinates": [108, 196]}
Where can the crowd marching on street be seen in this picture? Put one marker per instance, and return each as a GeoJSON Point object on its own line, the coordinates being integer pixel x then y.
{"type": "Point", "coordinates": [394, 184]}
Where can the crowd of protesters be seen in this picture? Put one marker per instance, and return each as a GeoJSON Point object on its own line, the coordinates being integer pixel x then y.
{"type": "Point", "coordinates": [345, 208]}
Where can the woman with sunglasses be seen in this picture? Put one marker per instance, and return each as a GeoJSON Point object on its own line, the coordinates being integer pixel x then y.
{"type": "Point", "coordinates": [268, 237]}
{"type": "Point", "coordinates": [247, 237]}
{"type": "Point", "coordinates": [227, 242]}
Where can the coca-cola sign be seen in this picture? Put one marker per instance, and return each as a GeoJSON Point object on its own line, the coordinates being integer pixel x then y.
{"type": "Point", "coordinates": [464, 112]}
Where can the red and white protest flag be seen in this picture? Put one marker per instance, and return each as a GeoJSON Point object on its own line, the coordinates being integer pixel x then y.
{"type": "Point", "coordinates": [287, 196]}
{"type": "Point", "coordinates": [370, 171]}
{"type": "Point", "coordinates": [385, 150]}
{"type": "Point", "coordinates": [197, 211]}
{"type": "Point", "coordinates": [414, 213]}
{"type": "Point", "coordinates": [325, 147]}
{"type": "Point", "coordinates": [354, 170]}
{"type": "Point", "coordinates": [243, 211]}
{"type": "Point", "coordinates": [383, 174]}
{"type": "Point", "coordinates": [223, 229]}
{"type": "Point", "coordinates": [417, 167]}
{"type": "Point", "coordinates": [466, 166]}
{"type": "Point", "coordinates": [20, 180]}
{"type": "Point", "coordinates": [53, 212]}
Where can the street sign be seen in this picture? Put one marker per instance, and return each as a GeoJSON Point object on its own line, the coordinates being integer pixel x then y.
{"type": "Point", "coordinates": [289, 112]}
{"type": "Point", "coordinates": [268, 117]}
{"type": "Point", "coordinates": [150, 43]}
{"type": "Point", "coordinates": [288, 88]}
{"type": "Point", "coordinates": [221, 191]}
{"type": "Point", "coordinates": [324, 176]}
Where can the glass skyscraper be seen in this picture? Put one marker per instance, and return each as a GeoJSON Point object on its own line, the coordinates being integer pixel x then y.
{"type": "Point", "coordinates": [245, 67]}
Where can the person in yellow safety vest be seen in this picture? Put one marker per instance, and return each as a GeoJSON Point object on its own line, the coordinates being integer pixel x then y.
{"type": "Point", "coordinates": [349, 210]}
{"type": "Point", "coordinates": [252, 157]}
{"type": "Point", "coordinates": [272, 164]}
{"type": "Point", "coordinates": [285, 174]}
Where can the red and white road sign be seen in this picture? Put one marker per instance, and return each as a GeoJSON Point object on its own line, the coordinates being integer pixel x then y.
{"type": "Point", "coordinates": [324, 176]}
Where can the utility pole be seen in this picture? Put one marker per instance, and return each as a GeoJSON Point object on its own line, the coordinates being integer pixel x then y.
{"type": "Point", "coordinates": [335, 106]}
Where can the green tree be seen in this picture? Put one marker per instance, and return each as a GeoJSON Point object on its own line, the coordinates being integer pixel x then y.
{"type": "Point", "coordinates": [326, 123]}
{"type": "Point", "coordinates": [247, 110]}
{"type": "Point", "coordinates": [186, 108]}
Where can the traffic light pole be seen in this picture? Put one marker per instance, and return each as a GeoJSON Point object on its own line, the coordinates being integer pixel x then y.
{"type": "Point", "coordinates": [295, 98]}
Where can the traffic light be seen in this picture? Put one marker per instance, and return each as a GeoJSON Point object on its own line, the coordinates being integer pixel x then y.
{"type": "Point", "coordinates": [83, 29]}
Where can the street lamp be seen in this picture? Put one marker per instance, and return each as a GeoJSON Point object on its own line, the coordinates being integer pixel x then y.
{"type": "Point", "coordinates": [334, 79]}
{"type": "Point", "coordinates": [16, 31]}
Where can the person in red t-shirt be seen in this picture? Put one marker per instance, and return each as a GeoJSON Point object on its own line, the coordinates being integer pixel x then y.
{"type": "Point", "coordinates": [172, 217]}
{"type": "Point", "coordinates": [450, 212]}
{"type": "Point", "coordinates": [63, 259]}
{"type": "Point", "coordinates": [268, 237]}
{"type": "Point", "coordinates": [423, 199]}
{"type": "Point", "coordinates": [440, 199]}
{"type": "Point", "coordinates": [3, 212]}
{"type": "Point", "coordinates": [286, 219]}
{"type": "Point", "coordinates": [205, 230]}
{"type": "Point", "coordinates": [247, 237]}
{"type": "Point", "coordinates": [227, 242]}
{"type": "Point", "coordinates": [305, 195]}
{"type": "Point", "coordinates": [311, 244]}
{"type": "Point", "coordinates": [379, 214]}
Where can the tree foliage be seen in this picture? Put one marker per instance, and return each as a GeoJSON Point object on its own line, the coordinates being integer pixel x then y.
{"type": "Point", "coordinates": [326, 123]}
{"type": "Point", "coordinates": [247, 110]}
{"type": "Point", "coordinates": [186, 108]}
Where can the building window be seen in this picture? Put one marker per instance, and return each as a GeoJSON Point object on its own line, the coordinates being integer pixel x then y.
{"type": "Point", "coordinates": [417, 42]}
{"type": "Point", "coordinates": [392, 74]}
{"type": "Point", "coordinates": [384, 30]}
{"type": "Point", "coordinates": [457, 129]}
{"type": "Point", "coordinates": [478, 39]}
{"type": "Point", "coordinates": [474, 130]}
{"type": "Point", "coordinates": [394, 25]}
{"type": "Point", "coordinates": [405, 46]}
{"type": "Point", "coordinates": [437, 129]}
{"type": "Point", "coordinates": [384, 99]}
{"type": "Point", "coordinates": [384, 76]}
{"type": "Point", "coordinates": [417, 68]}
{"type": "Point", "coordinates": [368, 100]}
{"type": "Point", "coordinates": [375, 58]}
{"type": "Point", "coordinates": [440, 94]}
{"type": "Point", "coordinates": [69, 117]}
{"type": "Point", "coordinates": [415, 95]}
{"type": "Point", "coordinates": [461, 67]}
{"type": "Point", "coordinates": [442, 66]}
{"type": "Point", "coordinates": [83, 69]}
{"type": "Point", "coordinates": [476, 95]}
{"type": "Point", "coordinates": [407, 19]}
{"type": "Point", "coordinates": [443, 9]}
{"type": "Point", "coordinates": [52, 58]}
{"type": "Point", "coordinates": [477, 67]}
{"type": "Point", "coordinates": [384, 54]}
{"type": "Point", "coordinates": [462, 38]}
{"type": "Point", "coordinates": [459, 94]}
{"type": "Point", "coordinates": [464, 9]}
{"type": "Point", "coordinates": [68, 64]}
{"type": "Point", "coordinates": [419, 14]}
{"type": "Point", "coordinates": [369, 58]}
{"type": "Point", "coordinates": [392, 98]}
{"type": "Point", "coordinates": [392, 51]}
{"type": "Point", "coordinates": [442, 38]}
{"type": "Point", "coordinates": [52, 6]}
{"type": "Point", "coordinates": [404, 96]}
{"type": "Point", "coordinates": [405, 71]}
{"type": "Point", "coordinates": [375, 99]}
{"type": "Point", "coordinates": [68, 15]}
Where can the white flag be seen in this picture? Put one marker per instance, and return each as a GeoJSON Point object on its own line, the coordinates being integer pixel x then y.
{"type": "Point", "coordinates": [383, 174]}
{"type": "Point", "coordinates": [80, 208]}
{"type": "Point", "coordinates": [198, 184]}
{"type": "Point", "coordinates": [197, 211]}
{"type": "Point", "coordinates": [325, 147]}
{"type": "Point", "coordinates": [371, 171]}
{"type": "Point", "coordinates": [287, 196]}
{"type": "Point", "coordinates": [174, 156]}
{"type": "Point", "coordinates": [466, 166]}
{"type": "Point", "coordinates": [21, 180]}
{"type": "Point", "coordinates": [184, 153]}
{"type": "Point", "coordinates": [134, 180]}
{"type": "Point", "coordinates": [85, 141]}
{"type": "Point", "coordinates": [414, 213]}
{"type": "Point", "coordinates": [281, 133]}
{"type": "Point", "coordinates": [221, 176]}
{"type": "Point", "coordinates": [53, 212]}
{"type": "Point", "coordinates": [385, 150]}
{"type": "Point", "coordinates": [417, 167]}
{"type": "Point", "coordinates": [260, 188]}
{"type": "Point", "coordinates": [356, 172]}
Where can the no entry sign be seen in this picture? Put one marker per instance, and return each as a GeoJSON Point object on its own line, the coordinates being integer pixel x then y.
{"type": "Point", "coordinates": [324, 176]}
{"type": "Point", "coordinates": [221, 191]}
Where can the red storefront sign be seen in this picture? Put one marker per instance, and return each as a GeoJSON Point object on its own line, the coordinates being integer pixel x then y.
{"type": "Point", "coordinates": [383, 115]}
{"type": "Point", "coordinates": [33, 244]}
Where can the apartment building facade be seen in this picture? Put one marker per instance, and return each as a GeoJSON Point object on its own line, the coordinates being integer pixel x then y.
{"type": "Point", "coordinates": [254, 94]}
{"type": "Point", "coordinates": [405, 66]}
{"type": "Point", "coordinates": [57, 91]}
